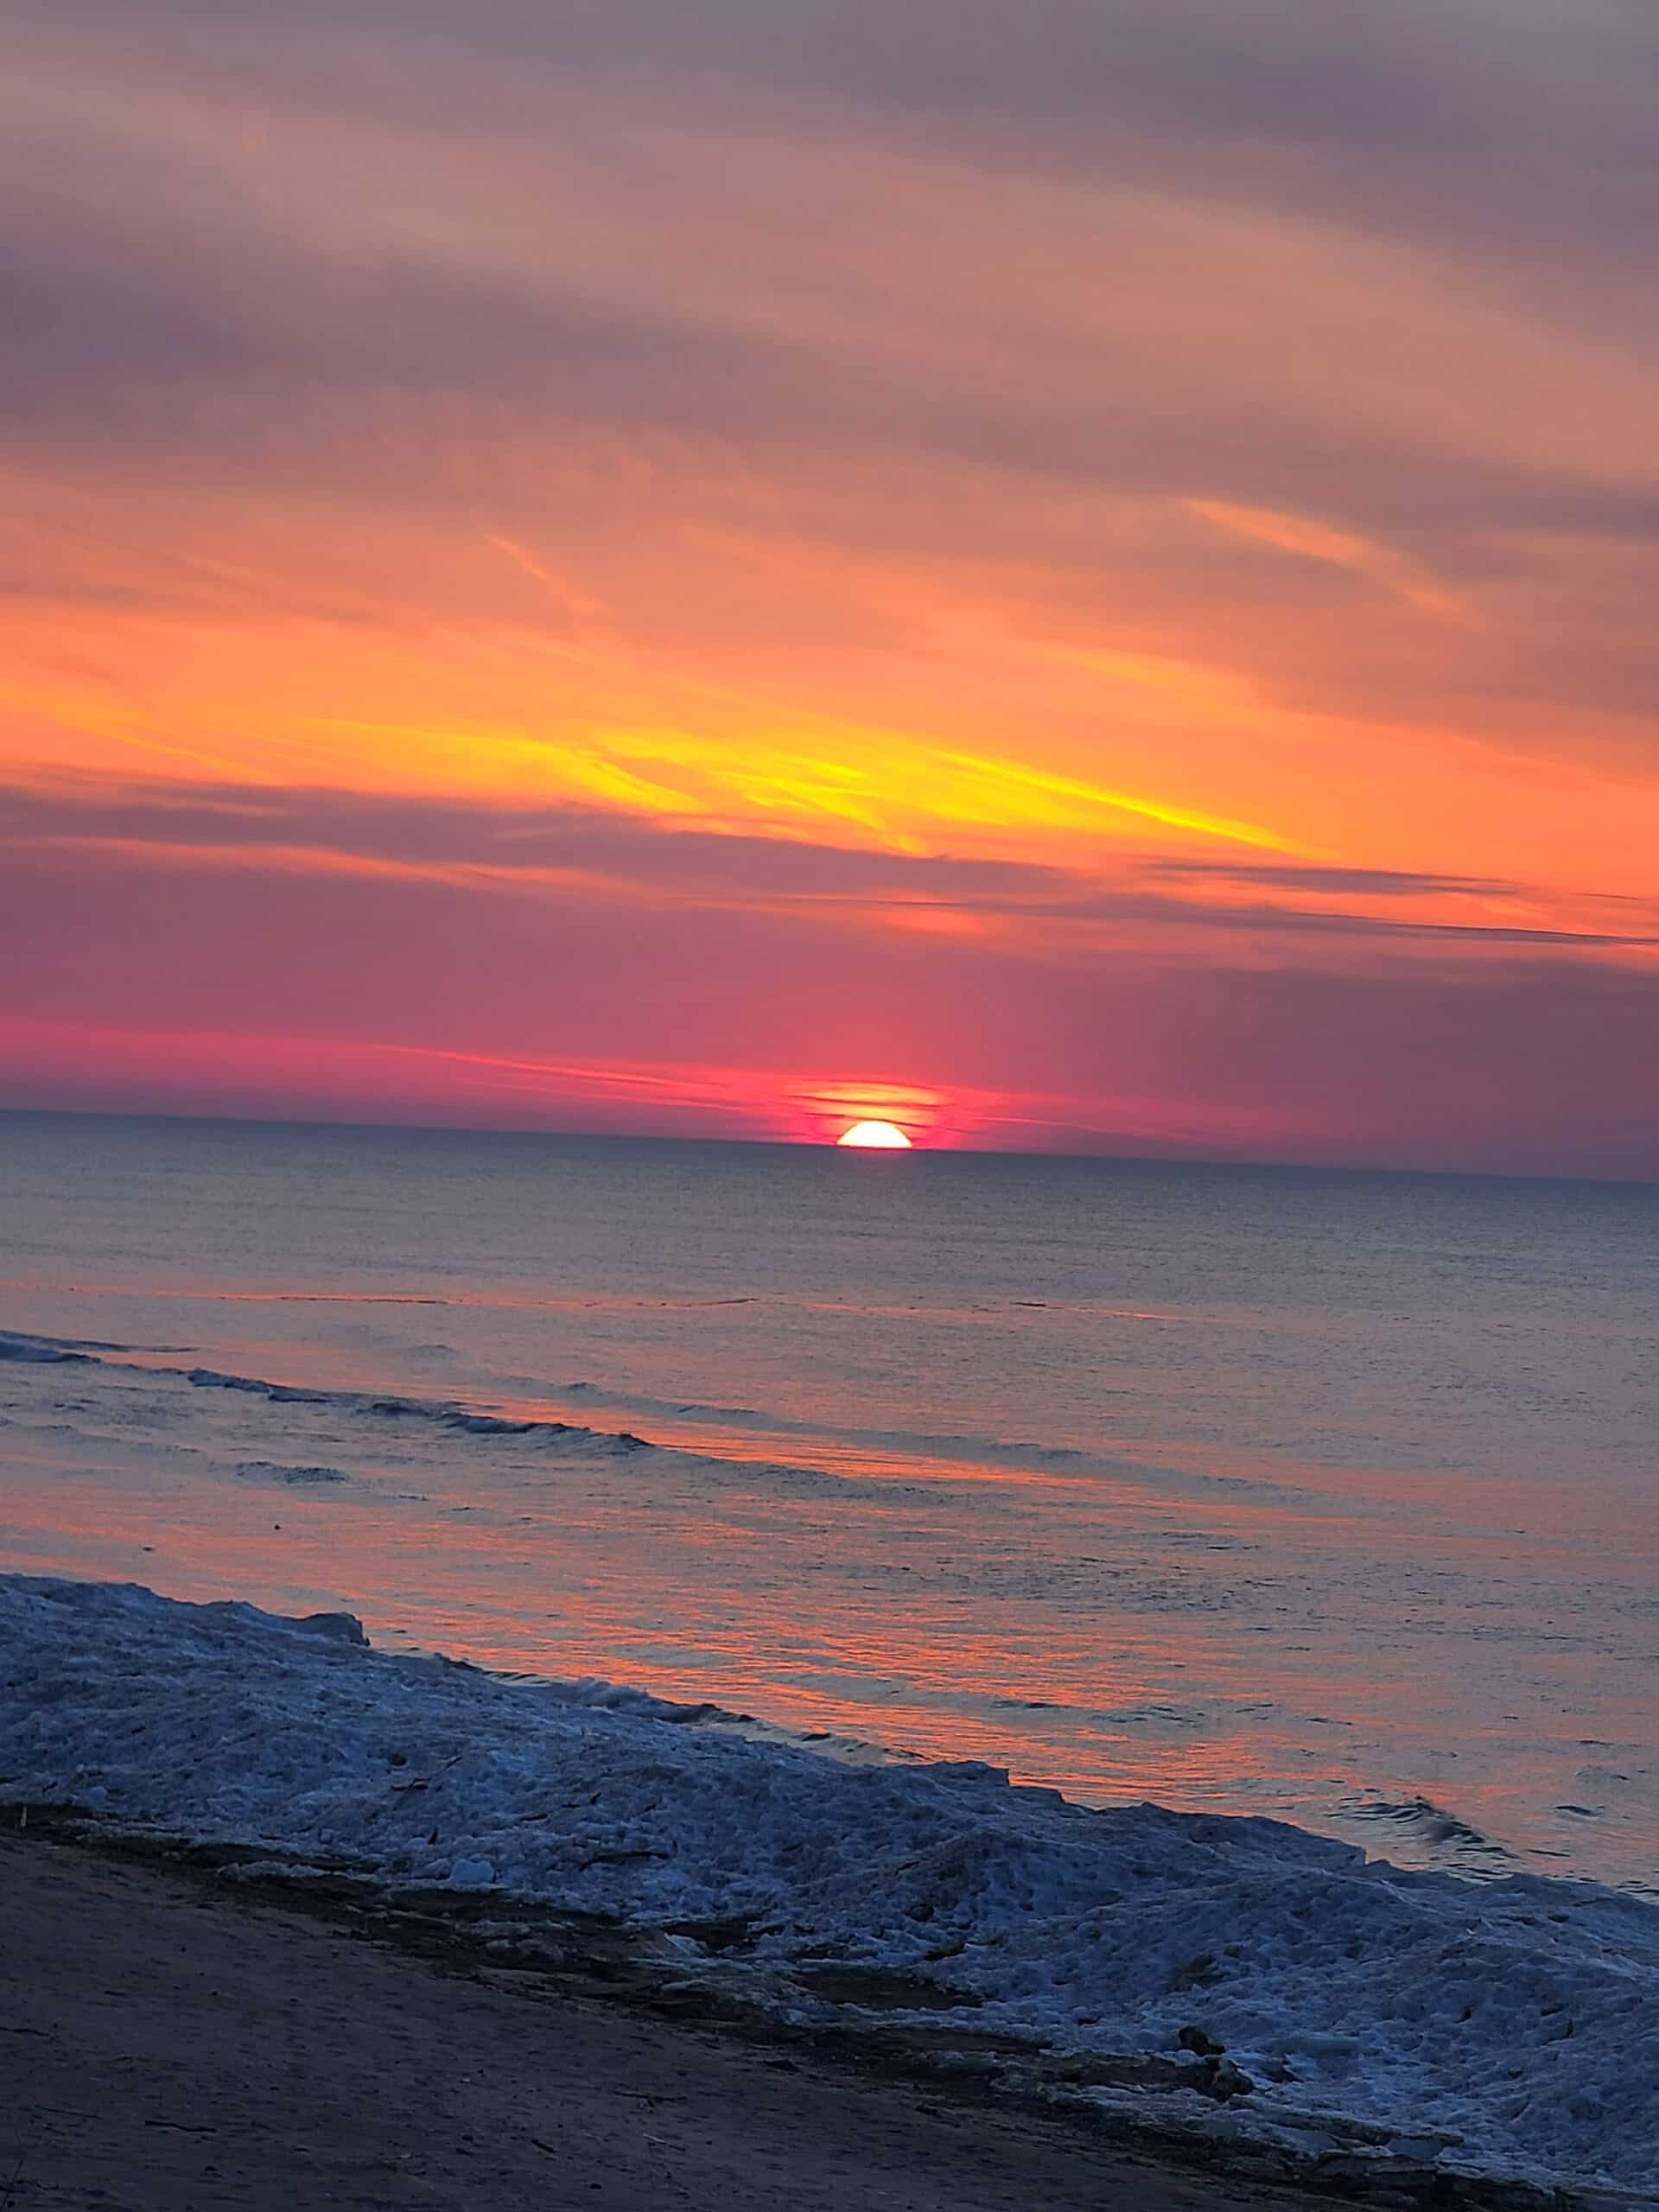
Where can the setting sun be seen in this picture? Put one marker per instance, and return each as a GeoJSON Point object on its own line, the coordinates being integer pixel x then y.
{"type": "Point", "coordinates": [876, 1137]}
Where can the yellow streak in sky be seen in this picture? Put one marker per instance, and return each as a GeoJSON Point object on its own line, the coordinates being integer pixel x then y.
{"type": "Point", "coordinates": [1036, 796]}
{"type": "Point", "coordinates": [727, 757]}
{"type": "Point", "coordinates": [902, 786]}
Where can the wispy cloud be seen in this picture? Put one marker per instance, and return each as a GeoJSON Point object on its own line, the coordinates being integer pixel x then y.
{"type": "Point", "coordinates": [1134, 905]}
{"type": "Point", "coordinates": [1316, 540]}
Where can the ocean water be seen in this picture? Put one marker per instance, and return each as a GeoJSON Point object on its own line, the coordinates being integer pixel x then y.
{"type": "Point", "coordinates": [1330, 1495]}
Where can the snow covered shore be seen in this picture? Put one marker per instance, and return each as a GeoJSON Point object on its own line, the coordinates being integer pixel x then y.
{"type": "Point", "coordinates": [1510, 2028]}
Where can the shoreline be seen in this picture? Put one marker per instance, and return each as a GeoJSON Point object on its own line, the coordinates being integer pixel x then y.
{"type": "Point", "coordinates": [1236, 1992]}
{"type": "Point", "coordinates": [155, 1948]}
{"type": "Point", "coordinates": [170, 2048]}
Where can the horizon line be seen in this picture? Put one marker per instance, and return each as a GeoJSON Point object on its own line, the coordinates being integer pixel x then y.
{"type": "Point", "coordinates": [918, 1150]}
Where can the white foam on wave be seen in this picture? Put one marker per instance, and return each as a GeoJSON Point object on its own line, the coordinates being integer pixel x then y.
{"type": "Point", "coordinates": [1516, 2022]}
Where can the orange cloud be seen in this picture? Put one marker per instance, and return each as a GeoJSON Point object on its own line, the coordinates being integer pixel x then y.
{"type": "Point", "coordinates": [1317, 541]}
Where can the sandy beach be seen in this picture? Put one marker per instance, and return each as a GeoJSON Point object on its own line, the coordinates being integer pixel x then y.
{"type": "Point", "coordinates": [167, 2048]}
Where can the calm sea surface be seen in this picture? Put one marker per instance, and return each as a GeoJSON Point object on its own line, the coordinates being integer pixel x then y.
{"type": "Point", "coordinates": [1330, 1495]}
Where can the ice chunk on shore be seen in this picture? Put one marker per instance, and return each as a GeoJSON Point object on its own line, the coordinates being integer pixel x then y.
{"type": "Point", "coordinates": [1514, 2022]}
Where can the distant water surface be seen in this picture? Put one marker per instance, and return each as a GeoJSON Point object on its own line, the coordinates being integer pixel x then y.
{"type": "Point", "coordinates": [1325, 1495]}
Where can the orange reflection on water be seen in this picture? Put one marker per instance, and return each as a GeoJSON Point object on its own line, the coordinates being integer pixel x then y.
{"type": "Point", "coordinates": [1085, 1633]}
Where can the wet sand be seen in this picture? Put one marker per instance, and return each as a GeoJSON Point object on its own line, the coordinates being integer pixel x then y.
{"type": "Point", "coordinates": [167, 2047]}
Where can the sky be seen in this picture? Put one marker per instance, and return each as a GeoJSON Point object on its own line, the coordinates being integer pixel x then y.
{"type": "Point", "coordinates": [1076, 577]}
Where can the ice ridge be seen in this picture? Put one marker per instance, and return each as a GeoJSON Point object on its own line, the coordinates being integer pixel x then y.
{"type": "Point", "coordinates": [1512, 2027]}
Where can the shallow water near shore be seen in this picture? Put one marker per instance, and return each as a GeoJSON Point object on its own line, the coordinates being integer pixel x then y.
{"type": "Point", "coordinates": [1322, 1495]}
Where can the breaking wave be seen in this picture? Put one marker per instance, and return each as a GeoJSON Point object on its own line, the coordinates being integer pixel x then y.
{"type": "Point", "coordinates": [1441, 1835]}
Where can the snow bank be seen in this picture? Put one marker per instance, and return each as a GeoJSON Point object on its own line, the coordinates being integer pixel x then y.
{"type": "Point", "coordinates": [1508, 2028]}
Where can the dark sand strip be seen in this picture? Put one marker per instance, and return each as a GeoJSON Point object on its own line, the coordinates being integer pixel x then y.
{"type": "Point", "coordinates": [167, 2048]}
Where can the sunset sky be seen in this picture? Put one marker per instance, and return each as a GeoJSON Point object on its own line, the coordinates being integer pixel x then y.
{"type": "Point", "coordinates": [1072, 576]}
